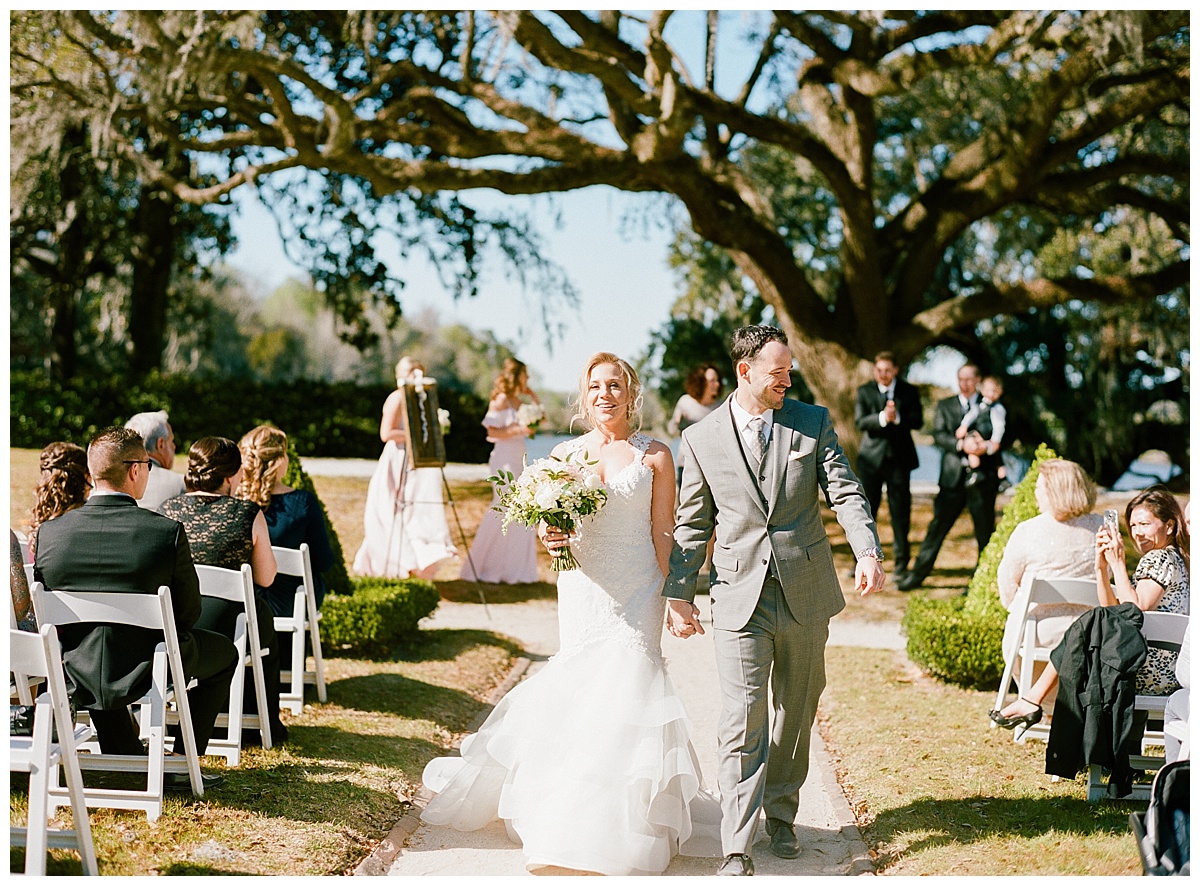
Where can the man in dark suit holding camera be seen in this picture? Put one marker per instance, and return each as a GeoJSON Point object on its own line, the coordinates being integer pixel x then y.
{"type": "Point", "coordinates": [887, 411]}
{"type": "Point", "coordinates": [112, 545]}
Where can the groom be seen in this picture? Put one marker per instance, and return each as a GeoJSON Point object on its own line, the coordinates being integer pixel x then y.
{"type": "Point", "coordinates": [752, 470]}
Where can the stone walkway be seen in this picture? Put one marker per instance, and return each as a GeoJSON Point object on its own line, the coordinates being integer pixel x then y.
{"type": "Point", "coordinates": [832, 845]}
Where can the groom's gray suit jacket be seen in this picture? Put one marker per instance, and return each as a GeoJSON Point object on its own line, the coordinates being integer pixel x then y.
{"type": "Point", "coordinates": [768, 525]}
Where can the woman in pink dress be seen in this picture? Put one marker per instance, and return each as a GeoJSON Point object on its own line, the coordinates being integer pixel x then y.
{"type": "Point", "coordinates": [498, 557]}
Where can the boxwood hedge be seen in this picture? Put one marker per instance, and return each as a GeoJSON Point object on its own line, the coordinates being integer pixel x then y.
{"type": "Point", "coordinates": [958, 640]}
{"type": "Point", "coordinates": [328, 419]}
{"type": "Point", "coordinates": [379, 615]}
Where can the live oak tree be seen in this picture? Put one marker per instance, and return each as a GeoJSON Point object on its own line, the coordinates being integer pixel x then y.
{"type": "Point", "coordinates": [384, 116]}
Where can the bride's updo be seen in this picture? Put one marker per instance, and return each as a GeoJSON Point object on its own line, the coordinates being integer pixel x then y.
{"type": "Point", "coordinates": [632, 384]}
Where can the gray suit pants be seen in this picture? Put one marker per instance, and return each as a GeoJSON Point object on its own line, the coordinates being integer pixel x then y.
{"type": "Point", "coordinates": [763, 760]}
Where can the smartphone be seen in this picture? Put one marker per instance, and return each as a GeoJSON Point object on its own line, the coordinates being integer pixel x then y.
{"type": "Point", "coordinates": [1112, 524]}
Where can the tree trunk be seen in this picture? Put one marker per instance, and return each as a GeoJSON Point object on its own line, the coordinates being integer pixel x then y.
{"type": "Point", "coordinates": [155, 237]}
{"type": "Point", "coordinates": [70, 272]}
{"type": "Point", "coordinates": [831, 371]}
{"type": "Point", "coordinates": [834, 375]}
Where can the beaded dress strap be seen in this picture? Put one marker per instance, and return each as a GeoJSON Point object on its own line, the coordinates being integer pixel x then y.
{"type": "Point", "coordinates": [641, 442]}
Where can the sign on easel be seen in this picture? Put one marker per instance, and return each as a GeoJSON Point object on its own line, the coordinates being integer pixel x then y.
{"type": "Point", "coordinates": [426, 448]}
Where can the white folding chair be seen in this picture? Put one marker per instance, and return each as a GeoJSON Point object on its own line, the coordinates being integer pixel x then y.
{"type": "Point", "coordinates": [23, 541]}
{"type": "Point", "coordinates": [304, 619]}
{"type": "Point", "coordinates": [168, 685]}
{"type": "Point", "coordinates": [20, 689]}
{"type": "Point", "coordinates": [1162, 630]}
{"type": "Point", "coordinates": [237, 586]}
{"type": "Point", "coordinates": [42, 755]}
{"type": "Point", "coordinates": [1038, 592]}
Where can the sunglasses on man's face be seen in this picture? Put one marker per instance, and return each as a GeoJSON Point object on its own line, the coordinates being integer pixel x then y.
{"type": "Point", "coordinates": [148, 462]}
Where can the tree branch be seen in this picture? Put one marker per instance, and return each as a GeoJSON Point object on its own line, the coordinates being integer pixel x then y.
{"type": "Point", "coordinates": [993, 300]}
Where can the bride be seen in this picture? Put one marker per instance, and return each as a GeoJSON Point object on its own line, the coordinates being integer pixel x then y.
{"type": "Point", "coordinates": [588, 762]}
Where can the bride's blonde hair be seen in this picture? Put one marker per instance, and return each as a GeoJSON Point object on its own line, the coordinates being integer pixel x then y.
{"type": "Point", "coordinates": [632, 384]}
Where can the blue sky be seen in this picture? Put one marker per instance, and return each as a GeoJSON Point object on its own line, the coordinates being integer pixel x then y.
{"type": "Point", "coordinates": [625, 287]}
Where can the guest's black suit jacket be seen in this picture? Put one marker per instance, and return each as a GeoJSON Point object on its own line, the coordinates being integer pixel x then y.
{"type": "Point", "coordinates": [110, 544]}
{"type": "Point", "coordinates": [889, 445]}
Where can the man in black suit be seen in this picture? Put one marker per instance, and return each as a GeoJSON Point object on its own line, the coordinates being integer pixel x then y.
{"type": "Point", "coordinates": [112, 545]}
{"type": "Point", "coordinates": [887, 411]}
{"type": "Point", "coordinates": [953, 492]}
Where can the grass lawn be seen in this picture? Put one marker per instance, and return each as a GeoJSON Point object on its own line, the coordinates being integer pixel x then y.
{"type": "Point", "coordinates": [935, 790]}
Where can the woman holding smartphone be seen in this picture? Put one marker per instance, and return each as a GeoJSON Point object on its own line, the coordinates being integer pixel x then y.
{"type": "Point", "coordinates": [1160, 582]}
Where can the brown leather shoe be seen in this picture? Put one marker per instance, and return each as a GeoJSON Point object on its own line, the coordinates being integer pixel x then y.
{"type": "Point", "coordinates": [783, 838]}
{"type": "Point", "coordinates": [736, 865]}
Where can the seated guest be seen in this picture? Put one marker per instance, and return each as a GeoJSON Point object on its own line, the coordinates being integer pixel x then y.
{"type": "Point", "coordinates": [293, 516]}
{"type": "Point", "coordinates": [227, 532]}
{"type": "Point", "coordinates": [62, 485]}
{"type": "Point", "coordinates": [112, 545]}
{"type": "Point", "coordinates": [1060, 542]}
{"type": "Point", "coordinates": [160, 443]}
{"type": "Point", "coordinates": [1160, 582]}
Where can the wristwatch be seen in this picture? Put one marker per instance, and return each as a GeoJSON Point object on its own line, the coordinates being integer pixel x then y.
{"type": "Point", "coordinates": [873, 553]}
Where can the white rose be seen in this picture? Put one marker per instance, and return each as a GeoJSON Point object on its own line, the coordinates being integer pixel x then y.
{"type": "Point", "coordinates": [546, 499]}
{"type": "Point", "coordinates": [593, 481]}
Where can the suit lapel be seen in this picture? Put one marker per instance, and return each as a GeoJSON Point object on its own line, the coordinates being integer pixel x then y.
{"type": "Point", "coordinates": [727, 433]}
{"type": "Point", "coordinates": [782, 434]}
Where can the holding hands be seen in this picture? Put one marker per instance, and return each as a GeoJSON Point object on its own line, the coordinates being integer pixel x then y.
{"type": "Point", "coordinates": [683, 618]}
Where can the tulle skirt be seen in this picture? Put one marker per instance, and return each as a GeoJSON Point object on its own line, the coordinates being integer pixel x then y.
{"type": "Point", "coordinates": [589, 764]}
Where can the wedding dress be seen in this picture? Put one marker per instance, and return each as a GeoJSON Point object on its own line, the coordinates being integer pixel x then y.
{"type": "Point", "coordinates": [589, 762]}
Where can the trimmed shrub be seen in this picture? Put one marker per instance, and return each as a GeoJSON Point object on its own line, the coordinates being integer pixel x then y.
{"type": "Point", "coordinates": [381, 613]}
{"type": "Point", "coordinates": [958, 640]}
{"type": "Point", "coordinates": [337, 580]}
{"type": "Point", "coordinates": [328, 419]}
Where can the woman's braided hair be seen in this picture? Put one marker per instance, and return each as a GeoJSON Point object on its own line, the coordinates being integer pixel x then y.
{"type": "Point", "coordinates": [263, 451]}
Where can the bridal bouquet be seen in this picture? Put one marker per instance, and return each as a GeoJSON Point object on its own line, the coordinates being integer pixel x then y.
{"type": "Point", "coordinates": [531, 415]}
{"type": "Point", "coordinates": [557, 490]}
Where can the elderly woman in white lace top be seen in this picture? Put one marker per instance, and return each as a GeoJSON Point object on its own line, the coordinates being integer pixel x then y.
{"type": "Point", "coordinates": [1060, 542]}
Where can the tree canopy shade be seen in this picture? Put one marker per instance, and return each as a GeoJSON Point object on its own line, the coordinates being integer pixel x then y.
{"type": "Point", "coordinates": [910, 136]}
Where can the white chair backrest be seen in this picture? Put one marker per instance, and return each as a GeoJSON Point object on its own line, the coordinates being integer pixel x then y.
{"type": "Point", "coordinates": [235, 585]}
{"type": "Point", "coordinates": [24, 543]}
{"type": "Point", "coordinates": [228, 584]}
{"type": "Point", "coordinates": [1079, 591]}
{"type": "Point", "coordinates": [73, 607]}
{"type": "Point", "coordinates": [293, 561]}
{"type": "Point", "coordinates": [37, 655]}
{"type": "Point", "coordinates": [1164, 629]}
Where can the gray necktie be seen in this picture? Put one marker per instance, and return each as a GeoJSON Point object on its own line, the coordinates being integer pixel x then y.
{"type": "Point", "coordinates": [754, 437]}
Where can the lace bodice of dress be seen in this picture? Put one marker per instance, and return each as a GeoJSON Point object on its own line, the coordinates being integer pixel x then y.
{"type": "Point", "coordinates": [616, 592]}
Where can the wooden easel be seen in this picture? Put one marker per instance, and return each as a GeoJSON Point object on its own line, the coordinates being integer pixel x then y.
{"type": "Point", "coordinates": [429, 415]}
